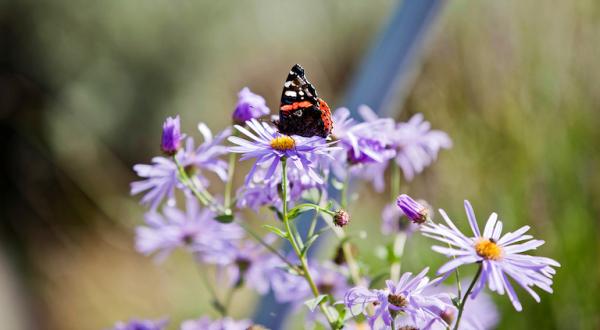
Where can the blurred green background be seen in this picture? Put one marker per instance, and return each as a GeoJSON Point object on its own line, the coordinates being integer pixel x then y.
{"type": "Point", "coordinates": [84, 87]}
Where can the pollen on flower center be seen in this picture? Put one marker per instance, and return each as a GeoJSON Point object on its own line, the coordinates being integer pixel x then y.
{"type": "Point", "coordinates": [283, 143]}
{"type": "Point", "coordinates": [488, 249]}
{"type": "Point", "coordinates": [397, 300]}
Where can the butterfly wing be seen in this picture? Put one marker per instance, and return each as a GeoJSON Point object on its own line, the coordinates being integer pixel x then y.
{"type": "Point", "coordinates": [300, 112]}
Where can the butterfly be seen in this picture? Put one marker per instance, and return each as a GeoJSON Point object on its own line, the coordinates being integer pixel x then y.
{"type": "Point", "coordinates": [302, 112]}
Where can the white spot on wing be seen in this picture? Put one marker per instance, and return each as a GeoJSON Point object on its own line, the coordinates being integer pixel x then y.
{"type": "Point", "coordinates": [290, 93]}
{"type": "Point", "coordinates": [288, 84]}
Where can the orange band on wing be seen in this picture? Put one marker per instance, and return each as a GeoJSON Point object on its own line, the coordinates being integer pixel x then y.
{"type": "Point", "coordinates": [326, 115]}
{"type": "Point", "coordinates": [296, 105]}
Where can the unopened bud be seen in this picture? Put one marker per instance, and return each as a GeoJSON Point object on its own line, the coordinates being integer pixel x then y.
{"type": "Point", "coordinates": [171, 136]}
{"type": "Point", "coordinates": [416, 212]}
{"type": "Point", "coordinates": [341, 218]}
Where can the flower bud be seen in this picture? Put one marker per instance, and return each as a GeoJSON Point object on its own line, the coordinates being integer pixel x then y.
{"type": "Point", "coordinates": [341, 218]}
{"type": "Point", "coordinates": [171, 136]}
{"type": "Point", "coordinates": [249, 106]}
{"type": "Point", "coordinates": [416, 212]}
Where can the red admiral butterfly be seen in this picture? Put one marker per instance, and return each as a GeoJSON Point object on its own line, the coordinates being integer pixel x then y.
{"type": "Point", "coordinates": [302, 112]}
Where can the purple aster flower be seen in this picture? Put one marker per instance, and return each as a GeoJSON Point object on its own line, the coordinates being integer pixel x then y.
{"type": "Point", "coordinates": [395, 222]}
{"type": "Point", "coordinates": [365, 153]}
{"type": "Point", "coordinates": [482, 314]}
{"type": "Point", "coordinates": [160, 181]}
{"type": "Point", "coordinates": [194, 230]}
{"type": "Point", "coordinates": [171, 136]}
{"type": "Point", "coordinates": [252, 265]}
{"type": "Point", "coordinates": [161, 178]}
{"type": "Point", "coordinates": [500, 256]}
{"type": "Point", "coordinates": [205, 323]}
{"type": "Point", "coordinates": [258, 193]}
{"type": "Point", "coordinates": [329, 279]}
{"type": "Point", "coordinates": [141, 325]}
{"type": "Point", "coordinates": [269, 146]}
{"type": "Point", "coordinates": [249, 106]}
{"type": "Point", "coordinates": [417, 145]}
{"type": "Point", "coordinates": [206, 155]}
{"type": "Point", "coordinates": [405, 297]}
{"type": "Point", "coordinates": [287, 285]}
{"type": "Point", "coordinates": [255, 195]}
{"type": "Point", "coordinates": [416, 212]}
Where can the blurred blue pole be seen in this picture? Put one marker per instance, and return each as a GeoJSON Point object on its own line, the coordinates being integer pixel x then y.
{"type": "Point", "coordinates": [381, 82]}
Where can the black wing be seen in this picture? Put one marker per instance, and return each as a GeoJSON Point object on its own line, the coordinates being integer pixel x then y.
{"type": "Point", "coordinates": [297, 88]}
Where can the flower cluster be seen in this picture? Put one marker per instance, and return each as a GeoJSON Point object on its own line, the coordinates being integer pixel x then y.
{"type": "Point", "coordinates": [306, 179]}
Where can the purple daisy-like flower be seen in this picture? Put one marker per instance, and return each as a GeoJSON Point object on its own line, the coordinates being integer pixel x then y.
{"type": "Point", "coordinates": [405, 297]}
{"type": "Point", "coordinates": [205, 157]}
{"type": "Point", "coordinates": [252, 265]}
{"type": "Point", "coordinates": [269, 146]}
{"type": "Point", "coordinates": [417, 145]}
{"type": "Point", "coordinates": [481, 314]}
{"type": "Point", "coordinates": [260, 192]}
{"type": "Point", "coordinates": [286, 286]}
{"type": "Point", "coordinates": [249, 106]}
{"type": "Point", "coordinates": [500, 255]}
{"type": "Point", "coordinates": [194, 230]}
{"type": "Point", "coordinates": [136, 324]}
{"type": "Point", "coordinates": [365, 153]}
{"type": "Point", "coordinates": [206, 323]}
{"type": "Point", "coordinates": [160, 181]}
{"type": "Point", "coordinates": [171, 136]}
{"type": "Point", "coordinates": [161, 178]}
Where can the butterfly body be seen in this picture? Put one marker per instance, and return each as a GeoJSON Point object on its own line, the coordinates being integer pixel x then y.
{"type": "Point", "coordinates": [302, 112]}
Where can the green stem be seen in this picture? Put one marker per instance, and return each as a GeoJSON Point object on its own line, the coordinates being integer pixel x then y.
{"type": "Point", "coordinates": [313, 206]}
{"type": "Point", "coordinates": [292, 240]}
{"type": "Point", "coordinates": [395, 181]}
{"type": "Point", "coordinates": [202, 195]}
{"type": "Point", "coordinates": [267, 246]}
{"type": "Point", "coordinates": [229, 184]}
{"type": "Point", "coordinates": [464, 300]}
{"type": "Point", "coordinates": [346, 247]}
{"type": "Point", "coordinates": [216, 302]}
{"type": "Point", "coordinates": [398, 250]}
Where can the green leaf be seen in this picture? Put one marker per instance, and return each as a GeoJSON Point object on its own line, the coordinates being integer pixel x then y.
{"type": "Point", "coordinates": [276, 231]}
{"type": "Point", "coordinates": [294, 213]}
{"type": "Point", "coordinates": [277, 213]}
{"type": "Point", "coordinates": [224, 218]}
{"type": "Point", "coordinates": [313, 303]}
{"type": "Point", "coordinates": [378, 278]}
{"type": "Point", "coordinates": [337, 184]}
{"type": "Point", "coordinates": [456, 301]}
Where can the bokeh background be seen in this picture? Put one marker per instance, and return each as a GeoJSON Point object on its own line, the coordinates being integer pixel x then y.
{"type": "Point", "coordinates": [85, 85]}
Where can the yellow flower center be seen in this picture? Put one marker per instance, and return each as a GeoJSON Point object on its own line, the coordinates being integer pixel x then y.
{"type": "Point", "coordinates": [488, 249]}
{"type": "Point", "coordinates": [283, 143]}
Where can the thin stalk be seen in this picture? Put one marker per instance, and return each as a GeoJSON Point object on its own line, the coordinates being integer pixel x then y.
{"type": "Point", "coordinates": [313, 224]}
{"type": "Point", "coordinates": [398, 249]}
{"type": "Point", "coordinates": [216, 302]}
{"type": "Point", "coordinates": [292, 240]}
{"type": "Point", "coordinates": [229, 184]}
{"type": "Point", "coordinates": [202, 195]}
{"type": "Point", "coordinates": [315, 207]}
{"type": "Point", "coordinates": [457, 275]}
{"type": "Point", "coordinates": [229, 297]}
{"type": "Point", "coordinates": [346, 247]}
{"type": "Point", "coordinates": [267, 246]}
{"type": "Point", "coordinates": [464, 300]}
{"type": "Point", "coordinates": [395, 181]}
